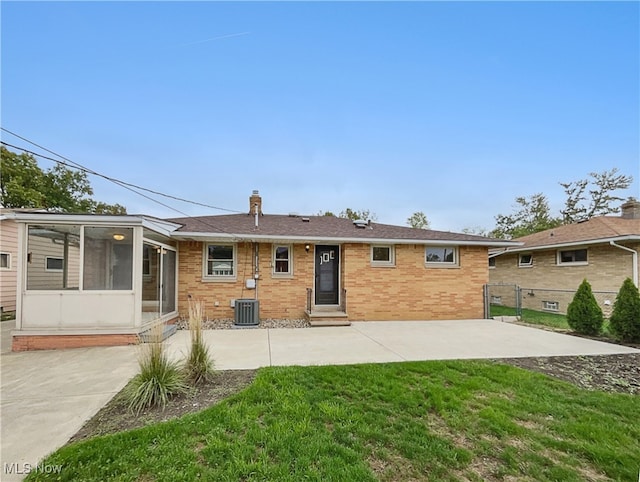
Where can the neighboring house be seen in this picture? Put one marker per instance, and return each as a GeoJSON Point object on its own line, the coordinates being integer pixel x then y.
{"type": "Point", "coordinates": [551, 264]}
{"type": "Point", "coordinates": [126, 273]}
{"type": "Point", "coordinates": [8, 261]}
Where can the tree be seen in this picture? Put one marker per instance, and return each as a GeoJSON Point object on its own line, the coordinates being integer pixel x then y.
{"type": "Point", "coordinates": [418, 220]}
{"type": "Point", "coordinates": [476, 230]}
{"type": "Point", "coordinates": [364, 214]}
{"type": "Point", "coordinates": [24, 185]}
{"type": "Point", "coordinates": [22, 181]}
{"type": "Point", "coordinates": [583, 313]}
{"type": "Point", "coordinates": [352, 214]}
{"type": "Point", "coordinates": [532, 215]}
{"type": "Point", "coordinates": [599, 201]}
{"type": "Point", "coordinates": [625, 319]}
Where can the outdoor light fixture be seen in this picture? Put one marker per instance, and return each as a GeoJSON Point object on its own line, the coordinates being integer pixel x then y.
{"type": "Point", "coordinates": [118, 237]}
{"type": "Point", "coordinates": [307, 247]}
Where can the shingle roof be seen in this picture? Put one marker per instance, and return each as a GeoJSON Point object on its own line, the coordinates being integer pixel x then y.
{"type": "Point", "coordinates": [598, 228]}
{"type": "Point", "coordinates": [315, 227]}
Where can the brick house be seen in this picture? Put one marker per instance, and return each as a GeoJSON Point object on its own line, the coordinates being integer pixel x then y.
{"type": "Point", "coordinates": [550, 265]}
{"type": "Point", "coordinates": [325, 267]}
{"type": "Point", "coordinates": [119, 275]}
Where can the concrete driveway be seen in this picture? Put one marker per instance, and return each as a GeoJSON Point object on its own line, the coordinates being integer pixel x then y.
{"type": "Point", "coordinates": [47, 396]}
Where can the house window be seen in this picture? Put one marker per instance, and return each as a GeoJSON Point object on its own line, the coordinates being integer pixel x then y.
{"type": "Point", "coordinates": [550, 306]}
{"type": "Point", "coordinates": [525, 260]}
{"type": "Point", "coordinates": [282, 260]}
{"type": "Point", "coordinates": [54, 264]}
{"type": "Point", "coordinates": [574, 256]}
{"type": "Point", "coordinates": [220, 260]}
{"type": "Point", "coordinates": [5, 261]}
{"type": "Point", "coordinates": [441, 255]}
{"type": "Point", "coordinates": [496, 300]}
{"type": "Point", "coordinates": [382, 256]}
{"type": "Point", "coordinates": [492, 262]}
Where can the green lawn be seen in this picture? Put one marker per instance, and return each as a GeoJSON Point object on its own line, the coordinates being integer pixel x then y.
{"type": "Point", "coordinates": [531, 316]}
{"type": "Point", "coordinates": [534, 317]}
{"type": "Point", "coordinates": [403, 421]}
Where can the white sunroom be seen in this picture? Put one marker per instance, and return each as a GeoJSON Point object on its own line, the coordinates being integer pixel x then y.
{"type": "Point", "coordinates": [92, 279]}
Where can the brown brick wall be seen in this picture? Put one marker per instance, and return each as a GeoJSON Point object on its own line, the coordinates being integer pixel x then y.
{"type": "Point", "coordinates": [407, 291]}
{"type": "Point", "coordinates": [54, 342]}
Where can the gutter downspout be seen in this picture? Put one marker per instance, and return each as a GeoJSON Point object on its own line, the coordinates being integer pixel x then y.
{"type": "Point", "coordinates": [634, 257]}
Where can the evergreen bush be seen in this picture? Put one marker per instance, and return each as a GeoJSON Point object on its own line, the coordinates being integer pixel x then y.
{"type": "Point", "coordinates": [583, 313]}
{"type": "Point", "coordinates": [625, 319]}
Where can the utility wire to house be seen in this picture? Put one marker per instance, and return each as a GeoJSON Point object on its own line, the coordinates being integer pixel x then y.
{"type": "Point", "coordinates": [76, 165]}
{"type": "Point", "coordinates": [129, 186]}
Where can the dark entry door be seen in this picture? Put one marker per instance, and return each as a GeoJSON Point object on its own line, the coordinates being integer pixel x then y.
{"type": "Point", "coordinates": [327, 266]}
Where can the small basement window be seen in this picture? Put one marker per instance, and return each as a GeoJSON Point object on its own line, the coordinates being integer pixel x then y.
{"type": "Point", "coordinates": [525, 260]}
{"type": "Point", "coordinates": [550, 306]}
{"type": "Point", "coordinates": [496, 300]}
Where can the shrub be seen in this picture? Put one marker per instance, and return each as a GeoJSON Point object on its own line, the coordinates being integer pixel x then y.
{"type": "Point", "coordinates": [159, 378]}
{"type": "Point", "coordinates": [199, 366]}
{"type": "Point", "coordinates": [625, 319]}
{"type": "Point", "coordinates": [583, 313]}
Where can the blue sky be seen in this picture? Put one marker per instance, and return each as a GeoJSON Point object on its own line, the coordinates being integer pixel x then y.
{"type": "Point", "coordinates": [450, 108]}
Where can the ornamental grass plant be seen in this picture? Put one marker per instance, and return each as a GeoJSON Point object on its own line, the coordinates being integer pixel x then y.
{"type": "Point", "coordinates": [159, 378]}
{"type": "Point", "coordinates": [199, 366]}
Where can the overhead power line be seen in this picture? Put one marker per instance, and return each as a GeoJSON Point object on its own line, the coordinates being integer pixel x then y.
{"type": "Point", "coordinates": [120, 182]}
{"type": "Point", "coordinates": [129, 186]}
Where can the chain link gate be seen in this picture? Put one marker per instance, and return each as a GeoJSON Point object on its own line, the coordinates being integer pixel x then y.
{"type": "Point", "coordinates": [502, 300]}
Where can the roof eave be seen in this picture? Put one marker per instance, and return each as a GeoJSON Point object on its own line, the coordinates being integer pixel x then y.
{"type": "Point", "coordinates": [182, 235]}
{"type": "Point", "coordinates": [630, 237]}
{"type": "Point", "coordinates": [160, 226]}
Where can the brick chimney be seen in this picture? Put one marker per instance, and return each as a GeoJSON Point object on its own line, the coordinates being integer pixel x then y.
{"type": "Point", "coordinates": [253, 200]}
{"type": "Point", "coordinates": [631, 209]}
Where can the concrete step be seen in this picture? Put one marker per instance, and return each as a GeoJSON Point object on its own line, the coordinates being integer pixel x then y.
{"type": "Point", "coordinates": [329, 323]}
{"type": "Point", "coordinates": [328, 318]}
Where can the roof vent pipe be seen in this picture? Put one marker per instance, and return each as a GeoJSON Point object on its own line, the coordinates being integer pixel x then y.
{"type": "Point", "coordinates": [257, 211]}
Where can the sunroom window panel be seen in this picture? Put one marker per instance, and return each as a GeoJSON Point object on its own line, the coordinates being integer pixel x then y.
{"type": "Point", "coordinates": [108, 258]}
{"type": "Point", "coordinates": [53, 257]}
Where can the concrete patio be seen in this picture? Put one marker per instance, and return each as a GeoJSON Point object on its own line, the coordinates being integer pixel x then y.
{"type": "Point", "coordinates": [47, 396]}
